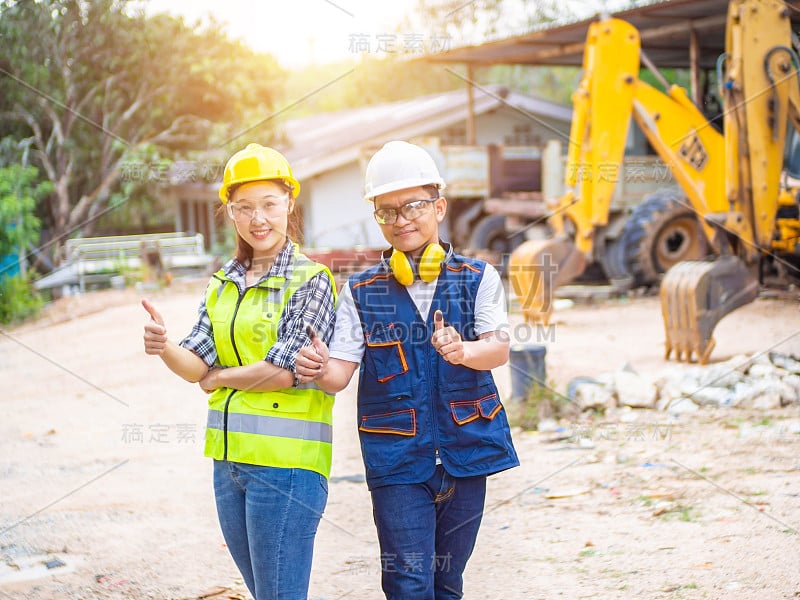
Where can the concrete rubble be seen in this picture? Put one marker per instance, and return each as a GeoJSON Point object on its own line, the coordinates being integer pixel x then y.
{"type": "Point", "coordinates": [761, 381]}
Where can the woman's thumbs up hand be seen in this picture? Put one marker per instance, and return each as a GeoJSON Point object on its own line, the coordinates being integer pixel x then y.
{"type": "Point", "coordinates": [155, 334]}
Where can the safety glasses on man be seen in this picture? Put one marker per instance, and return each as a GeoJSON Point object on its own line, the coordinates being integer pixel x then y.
{"type": "Point", "coordinates": [245, 211]}
{"type": "Point", "coordinates": [410, 211]}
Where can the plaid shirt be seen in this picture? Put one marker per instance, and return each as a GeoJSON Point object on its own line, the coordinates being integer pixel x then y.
{"type": "Point", "coordinates": [312, 304]}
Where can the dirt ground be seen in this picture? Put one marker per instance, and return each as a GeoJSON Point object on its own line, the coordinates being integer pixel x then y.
{"type": "Point", "coordinates": [102, 470]}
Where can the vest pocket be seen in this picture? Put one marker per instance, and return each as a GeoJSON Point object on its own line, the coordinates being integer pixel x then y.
{"type": "Point", "coordinates": [384, 356]}
{"type": "Point", "coordinates": [388, 440]}
{"type": "Point", "coordinates": [455, 378]}
{"type": "Point", "coordinates": [466, 411]}
{"type": "Point", "coordinates": [399, 422]}
{"type": "Point", "coordinates": [277, 402]}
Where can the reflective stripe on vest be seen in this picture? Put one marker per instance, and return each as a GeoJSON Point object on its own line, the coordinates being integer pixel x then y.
{"type": "Point", "coordinates": [275, 426]}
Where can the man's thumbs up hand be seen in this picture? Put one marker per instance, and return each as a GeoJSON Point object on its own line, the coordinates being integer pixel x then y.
{"type": "Point", "coordinates": [438, 320]}
{"type": "Point", "coordinates": [155, 334]}
{"type": "Point", "coordinates": [311, 360]}
{"type": "Point", "coordinates": [446, 341]}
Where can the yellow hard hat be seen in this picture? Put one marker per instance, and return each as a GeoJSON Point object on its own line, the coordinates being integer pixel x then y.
{"type": "Point", "coordinates": [257, 163]}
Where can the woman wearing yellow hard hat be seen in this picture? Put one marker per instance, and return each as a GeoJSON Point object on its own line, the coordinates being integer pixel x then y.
{"type": "Point", "coordinates": [269, 435]}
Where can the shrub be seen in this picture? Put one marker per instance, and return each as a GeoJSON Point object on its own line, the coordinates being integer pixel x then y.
{"type": "Point", "coordinates": [18, 298]}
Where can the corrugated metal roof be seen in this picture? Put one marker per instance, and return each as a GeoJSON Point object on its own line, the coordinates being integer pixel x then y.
{"type": "Point", "coordinates": [325, 141]}
{"type": "Point", "coordinates": [665, 28]}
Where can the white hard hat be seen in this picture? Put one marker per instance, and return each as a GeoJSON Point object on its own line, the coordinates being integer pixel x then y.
{"type": "Point", "coordinates": [397, 166]}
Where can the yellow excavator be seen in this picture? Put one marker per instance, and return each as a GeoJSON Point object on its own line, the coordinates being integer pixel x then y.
{"type": "Point", "coordinates": [744, 200]}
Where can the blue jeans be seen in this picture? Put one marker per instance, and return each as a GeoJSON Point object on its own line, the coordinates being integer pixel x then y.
{"type": "Point", "coordinates": [427, 532]}
{"type": "Point", "coordinates": [269, 518]}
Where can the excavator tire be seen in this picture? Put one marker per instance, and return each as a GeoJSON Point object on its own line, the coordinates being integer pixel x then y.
{"type": "Point", "coordinates": [660, 232]}
{"type": "Point", "coordinates": [490, 236]}
{"type": "Point", "coordinates": [613, 260]}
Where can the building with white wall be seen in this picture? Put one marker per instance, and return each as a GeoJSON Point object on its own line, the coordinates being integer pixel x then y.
{"type": "Point", "coordinates": [328, 153]}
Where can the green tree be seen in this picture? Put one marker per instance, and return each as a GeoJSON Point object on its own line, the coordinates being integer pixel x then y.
{"type": "Point", "coordinates": [20, 191]}
{"type": "Point", "coordinates": [96, 85]}
{"type": "Point", "coordinates": [475, 22]}
{"type": "Point", "coordinates": [374, 79]}
{"type": "Point", "coordinates": [19, 228]}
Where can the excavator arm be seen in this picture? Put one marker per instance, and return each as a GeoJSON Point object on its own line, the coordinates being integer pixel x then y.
{"type": "Point", "coordinates": [761, 94]}
{"type": "Point", "coordinates": [609, 95]}
{"type": "Point", "coordinates": [732, 181]}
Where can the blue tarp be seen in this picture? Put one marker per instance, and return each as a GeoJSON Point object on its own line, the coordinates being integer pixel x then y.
{"type": "Point", "coordinates": [9, 265]}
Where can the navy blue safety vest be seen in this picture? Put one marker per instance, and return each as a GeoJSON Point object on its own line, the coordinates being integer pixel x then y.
{"type": "Point", "coordinates": [412, 404]}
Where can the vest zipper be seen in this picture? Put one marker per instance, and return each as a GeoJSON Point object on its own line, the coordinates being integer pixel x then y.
{"type": "Point", "coordinates": [233, 322]}
{"type": "Point", "coordinates": [225, 427]}
{"type": "Point", "coordinates": [432, 402]}
{"type": "Point", "coordinates": [239, 360]}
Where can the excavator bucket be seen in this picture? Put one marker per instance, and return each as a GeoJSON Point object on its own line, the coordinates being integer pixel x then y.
{"type": "Point", "coordinates": [695, 295]}
{"type": "Point", "coordinates": [536, 268]}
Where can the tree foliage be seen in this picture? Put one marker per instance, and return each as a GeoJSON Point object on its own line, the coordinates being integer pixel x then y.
{"type": "Point", "coordinates": [19, 229]}
{"type": "Point", "coordinates": [19, 194]}
{"type": "Point", "coordinates": [94, 84]}
{"type": "Point", "coordinates": [377, 76]}
{"type": "Point", "coordinates": [474, 22]}
{"type": "Point", "coordinates": [373, 79]}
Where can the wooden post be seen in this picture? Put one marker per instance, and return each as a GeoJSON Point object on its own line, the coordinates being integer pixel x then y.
{"type": "Point", "coordinates": [694, 71]}
{"type": "Point", "coordinates": [211, 238]}
{"type": "Point", "coordinates": [175, 202]}
{"type": "Point", "coordinates": [470, 106]}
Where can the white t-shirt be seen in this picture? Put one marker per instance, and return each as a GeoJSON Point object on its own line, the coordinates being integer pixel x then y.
{"type": "Point", "coordinates": [490, 313]}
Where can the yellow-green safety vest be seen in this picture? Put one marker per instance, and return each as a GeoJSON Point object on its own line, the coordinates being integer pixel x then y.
{"type": "Point", "coordinates": [291, 427]}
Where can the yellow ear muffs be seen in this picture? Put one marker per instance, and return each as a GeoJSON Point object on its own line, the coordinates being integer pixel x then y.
{"type": "Point", "coordinates": [430, 265]}
{"type": "Point", "coordinates": [401, 268]}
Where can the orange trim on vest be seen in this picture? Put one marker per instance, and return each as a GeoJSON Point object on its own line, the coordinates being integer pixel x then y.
{"type": "Point", "coordinates": [369, 281]}
{"type": "Point", "coordinates": [462, 267]}
{"type": "Point", "coordinates": [393, 430]}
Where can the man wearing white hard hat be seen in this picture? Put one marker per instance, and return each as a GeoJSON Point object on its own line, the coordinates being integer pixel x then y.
{"type": "Point", "coordinates": [426, 327]}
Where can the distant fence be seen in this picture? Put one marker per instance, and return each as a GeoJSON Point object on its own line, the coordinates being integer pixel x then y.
{"type": "Point", "coordinates": [91, 261]}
